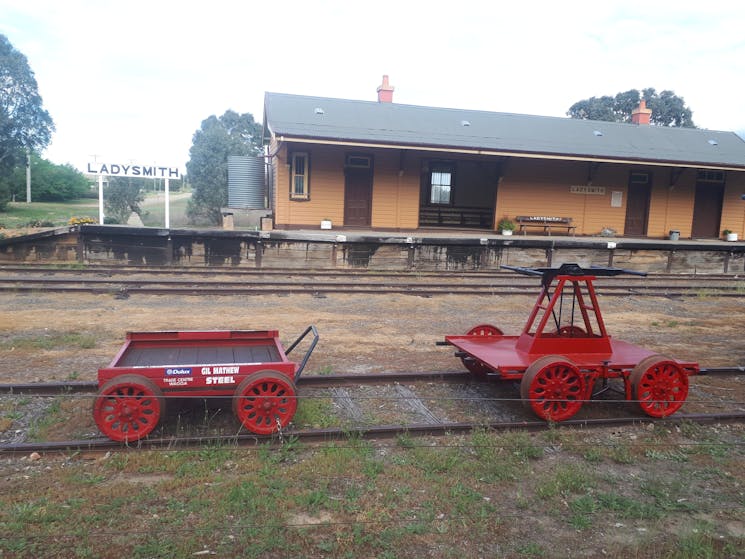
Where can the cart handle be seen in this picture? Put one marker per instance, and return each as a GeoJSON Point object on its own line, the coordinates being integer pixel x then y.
{"type": "Point", "coordinates": [572, 270]}
{"type": "Point", "coordinates": [548, 274]}
{"type": "Point", "coordinates": [313, 343]}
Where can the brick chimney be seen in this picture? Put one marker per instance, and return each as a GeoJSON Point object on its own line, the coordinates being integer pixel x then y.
{"type": "Point", "coordinates": [641, 114]}
{"type": "Point", "coordinates": [385, 91]}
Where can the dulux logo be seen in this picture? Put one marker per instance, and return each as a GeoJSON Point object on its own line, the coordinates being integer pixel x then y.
{"type": "Point", "coordinates": [178, 372]}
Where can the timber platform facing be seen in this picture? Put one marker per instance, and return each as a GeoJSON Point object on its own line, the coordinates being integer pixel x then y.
{"type": "Point", "coordinates": [374, 250]}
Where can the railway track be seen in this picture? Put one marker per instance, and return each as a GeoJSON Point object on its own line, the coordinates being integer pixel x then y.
{"type": "Point", "coordinates": [317, 381]}
{"type": "Point", "coordinates": [22, 280]}
{"type": "Point", "coordinates": [432, 426]}
{"type": "Point", "coordinates": [375, 432]}
{"type": "Point", "coordinates": [195, 271]}
{"type": "Point", "coordinates": [336, 380]}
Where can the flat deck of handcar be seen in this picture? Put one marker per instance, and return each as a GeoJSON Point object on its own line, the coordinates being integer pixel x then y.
{"type": "Point", "coordinates": [500, 354]}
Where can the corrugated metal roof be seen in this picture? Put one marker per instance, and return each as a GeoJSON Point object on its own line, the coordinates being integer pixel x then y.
{"type": "Point", "coordinates": [328, 119]}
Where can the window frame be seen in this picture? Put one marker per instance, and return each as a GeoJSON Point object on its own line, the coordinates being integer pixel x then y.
{"type": "Point", "coordinates": [305, 195]}
{"type": "Point", "coordinates": [713, 176]}
{"type": "Point", "coordinates": [640, 178]}
{"type": "Point", "coordinates": [441, 166]}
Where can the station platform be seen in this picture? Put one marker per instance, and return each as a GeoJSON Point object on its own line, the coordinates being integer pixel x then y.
{"type": "Point", "coordinates": [482, 237]}
{"type": "Point", "coordinates": [440, 249]}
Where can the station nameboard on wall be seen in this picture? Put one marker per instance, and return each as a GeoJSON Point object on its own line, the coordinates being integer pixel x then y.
{"type": "Point", "coordinates": [131, 170]}
{"type": "Point", "coordinates": [597, 190]}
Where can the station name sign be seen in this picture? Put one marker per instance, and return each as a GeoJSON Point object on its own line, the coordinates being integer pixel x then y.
{"type": "Point", "coordinates": [121, 170]}
{"type": "Point", "coordinates": [597, 190]}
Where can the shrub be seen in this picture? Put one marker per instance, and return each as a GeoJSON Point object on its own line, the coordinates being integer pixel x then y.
{"type": "Point", "coordinates": [81, 220]}
{"type": "Point", "coordinates": [506, 224]}
{"type": "Point", "coordinates": [39, 223]}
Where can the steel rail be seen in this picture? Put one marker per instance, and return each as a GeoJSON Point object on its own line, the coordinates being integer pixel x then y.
{"type": "Point", "coordinates": [368, 433]}
{"type": "Point", "coordinates": [212, 271]}
{"type": "Point", "coordinates": [316, 381]}
{"type": "Point", "coordinates": [81, 387]}
{"type": "Point", "coordinates": [518, 282]}
{"type": "Point", "coordinates": [205, 289]}
{"type": "Point", "coordinates": [230, 271]}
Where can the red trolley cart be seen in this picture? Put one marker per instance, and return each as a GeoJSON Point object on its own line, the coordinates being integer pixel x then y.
{"type": "Point", "coordinates": [251, 367]}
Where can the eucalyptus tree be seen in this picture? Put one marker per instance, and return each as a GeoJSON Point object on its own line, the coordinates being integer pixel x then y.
{"type": "Point", "coordinates": [668, 109]}
{"type": "Point", "coordinates": [207, 169]}
{"type": "Point", "coordinates": [25, 126]}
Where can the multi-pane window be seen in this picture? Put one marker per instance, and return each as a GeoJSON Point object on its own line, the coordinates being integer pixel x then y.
{"type": "Point", "coordinates": [710, 176]}
{"type": "Point", "coordinates": [299, 177]}
{"type": "Point", "coordinates": [639, 178]}
{"type": "Point", "coordinates": [441, 184]}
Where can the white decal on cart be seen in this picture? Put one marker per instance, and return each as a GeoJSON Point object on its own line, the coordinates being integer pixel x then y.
{"type": "Point", "coordinates": [220, 370]}
{"type": "Point", "coordinates": [221, 380]}
{"type": "Point", "coordinates": [178, 381]}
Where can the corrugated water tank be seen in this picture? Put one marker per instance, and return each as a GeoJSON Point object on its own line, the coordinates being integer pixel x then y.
{"type": "Point", "coordinates": [246, 182]}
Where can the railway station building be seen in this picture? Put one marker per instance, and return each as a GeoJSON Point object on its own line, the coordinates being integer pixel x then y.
{"type": "Point", "coordinates": [380, 165]}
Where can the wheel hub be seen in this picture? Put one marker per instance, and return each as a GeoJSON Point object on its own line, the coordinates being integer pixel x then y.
{"type": "Point", "coordinates": [128, 410]}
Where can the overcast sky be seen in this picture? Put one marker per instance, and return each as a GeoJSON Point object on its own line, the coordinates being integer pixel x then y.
{"type": "Point", "coordinates": [132, 81]}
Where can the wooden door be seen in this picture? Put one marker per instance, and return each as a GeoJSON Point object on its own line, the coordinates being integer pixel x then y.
{"type": "Point", "coordinates": [357, 197]}
{"type": "Point", "coordinates": [707, 210]}
{"type": "Point", "coordinates": [637, 210]}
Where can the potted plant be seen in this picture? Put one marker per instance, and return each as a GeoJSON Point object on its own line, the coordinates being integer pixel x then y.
{"type": "Point", "coordinates": [325, 223]}
{"type": "Point", "coordinates": [729, 235]}
{"type": "Point", "coordinates": [506, 226]}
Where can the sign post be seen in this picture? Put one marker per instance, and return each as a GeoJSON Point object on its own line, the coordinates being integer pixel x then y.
{"type": "Point", "coordinates": [168, 206]}
{"type": "Point", "coordinates": [100, 199]}
{"type": "Point", "coordinates": [28, 175]}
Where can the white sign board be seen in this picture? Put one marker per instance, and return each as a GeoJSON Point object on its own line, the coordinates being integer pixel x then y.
{"type": "Point", "coordinates": [143, 171]}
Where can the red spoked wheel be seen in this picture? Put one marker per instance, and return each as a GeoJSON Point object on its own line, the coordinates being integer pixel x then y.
{"type": "Point", "coordinates": [485, 330]}
{"type": "Point", "coordinates": [475, 366]}
{"type": "Point", "coordinates": [660, 385]}
{"type": "Point", "coordinates": [265, 402]}
{"type": "Point", "coordinates": [553, 387]}
{"type": "Point", "coordinates": [128, 408]}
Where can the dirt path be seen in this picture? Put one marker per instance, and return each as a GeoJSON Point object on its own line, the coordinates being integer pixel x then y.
{"type": "Point", "coordinates": [358, 334]}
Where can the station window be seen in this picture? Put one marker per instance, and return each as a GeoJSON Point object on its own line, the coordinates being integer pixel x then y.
{"type": "Point", "coordinates": [299, 176]}
{"type": "Point", "coordinates": [710, 176]}
{"type": "Point", "coordinates": [441, 183]}
{"type": "Point", "coordinates": [639, 178]}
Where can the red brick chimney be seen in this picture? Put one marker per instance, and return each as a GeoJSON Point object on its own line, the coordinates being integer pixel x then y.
{"type": "Point", "coordinates": [641, 114]}
{"type": "Point", "coordinates": [385, 91]}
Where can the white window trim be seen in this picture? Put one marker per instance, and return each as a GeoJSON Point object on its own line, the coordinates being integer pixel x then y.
{"type": "Point", "coordinates": [305, 195]}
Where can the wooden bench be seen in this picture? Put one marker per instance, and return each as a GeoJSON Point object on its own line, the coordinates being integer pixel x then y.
{"type": "Point", "coordinates": [545, 222]}
{"type": "Point", "coordinates": [456, 217]}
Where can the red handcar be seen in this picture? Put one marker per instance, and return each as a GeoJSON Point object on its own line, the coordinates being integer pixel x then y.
{"type": "Point", "coordinates": [564, 349]}
{"type": "Point", "coordinates": [251, 367]}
